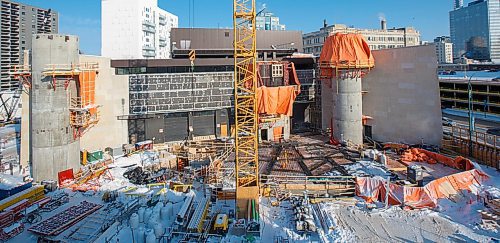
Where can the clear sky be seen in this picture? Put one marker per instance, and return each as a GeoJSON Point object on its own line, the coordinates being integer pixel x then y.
{"type": "Point", "coordinates": [430, 17]}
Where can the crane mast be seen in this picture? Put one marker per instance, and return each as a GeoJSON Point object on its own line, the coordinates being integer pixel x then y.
{"type": "Point", "coordinates": [245, 100]}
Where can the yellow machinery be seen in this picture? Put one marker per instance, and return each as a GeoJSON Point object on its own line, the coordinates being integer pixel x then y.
{"type": "Point", "coordinates": [245, 77]}
{"type": "Point", "coordinates": [221, 223]}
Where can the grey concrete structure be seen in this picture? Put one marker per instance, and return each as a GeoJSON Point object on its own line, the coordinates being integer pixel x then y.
{"type": "Point", "coordinates": [402, 96]}
{"type": "Point", "coordinates": [53, 146]}
{"type": "Point", "coordinates": [19, 22]}
{"type": "Point", "coordinates": [347, 110]}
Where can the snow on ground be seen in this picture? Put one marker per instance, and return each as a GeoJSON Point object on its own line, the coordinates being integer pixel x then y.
{"type": "Point", "coordinates": [355, 224]}
{"type": "Point", "coordinates": [279, 222]}
{"type": "Point", "coordinates": [492, 185]}
{"type": "Point", "coordinates": [117, 169]}
{"type": "Point", "coordinates": [10, 181]}
{"type": "Point", "coordinates": [367, 168]}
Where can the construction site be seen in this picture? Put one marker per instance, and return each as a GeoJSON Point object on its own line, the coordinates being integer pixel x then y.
{"type": "Point", "coordinates": [240, 137]}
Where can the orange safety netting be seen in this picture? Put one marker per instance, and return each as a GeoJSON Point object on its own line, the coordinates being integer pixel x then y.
{"type": "Point", "coordinates": [374, 189]}
{"type": "Point", "coordinates": [346, 51]}
{"type": "Point", "coordinates": [276, 100]}
{"type": "Point", "coordinates": [86, 81]}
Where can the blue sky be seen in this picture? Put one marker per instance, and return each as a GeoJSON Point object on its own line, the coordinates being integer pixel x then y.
{"type": "Point", "coordinates": [430, 17]}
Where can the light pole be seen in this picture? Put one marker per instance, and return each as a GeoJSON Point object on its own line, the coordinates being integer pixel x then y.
{"type": "Point", "coordinates": [471, 115]}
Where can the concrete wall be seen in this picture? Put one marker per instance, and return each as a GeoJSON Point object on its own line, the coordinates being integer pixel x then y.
{"type": "Point", "coordinates": [403, 96]}
{"type": "Point", "coordinates": [53, 146]}
{"type": "Point", "coordinates": [112, 96]}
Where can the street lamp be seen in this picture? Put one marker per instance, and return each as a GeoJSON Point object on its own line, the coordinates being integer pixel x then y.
{"type": "Point", "coordinates": [470, 108]}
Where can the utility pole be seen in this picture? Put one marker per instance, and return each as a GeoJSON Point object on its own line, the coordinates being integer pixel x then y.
{"type": "Point", "coordinates": [471, 114]}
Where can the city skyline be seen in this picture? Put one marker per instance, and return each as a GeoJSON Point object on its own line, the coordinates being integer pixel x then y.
{"type": "Point", "coordinates": [86, 22]}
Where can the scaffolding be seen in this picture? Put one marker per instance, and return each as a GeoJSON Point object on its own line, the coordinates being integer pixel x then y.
{"type": "Point", "coordinates": [84, 112]}
{"type": "Point", "coordinates": [245, 56]}
{"type": "Point", "coordinates": [9, 100]}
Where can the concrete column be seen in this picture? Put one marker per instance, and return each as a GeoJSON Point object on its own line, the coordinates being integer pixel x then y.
{"type": "Point", "coordinates": [347, 110]}
{"type": "Point", "coordinates": [270, 134]}
{"type": "Point", "coordinates": [53, 145]}
{"type": "Point", "coordinates": [286, 128]}
{"type": "Point", "coordinates": [190, 125]}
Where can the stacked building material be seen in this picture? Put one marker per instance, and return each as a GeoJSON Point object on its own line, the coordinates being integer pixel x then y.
{"type": "Point", "coordinates": [65, 219]}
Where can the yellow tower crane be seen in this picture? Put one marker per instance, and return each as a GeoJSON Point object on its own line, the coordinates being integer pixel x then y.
{"type": "Point", "coordinates": [245, 100]}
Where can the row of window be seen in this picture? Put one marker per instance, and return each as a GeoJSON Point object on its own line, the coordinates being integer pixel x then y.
{"type": "Point", "coordinates": [318, 49]}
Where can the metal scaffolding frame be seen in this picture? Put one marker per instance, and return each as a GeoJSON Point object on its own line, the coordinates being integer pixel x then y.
{"type": "Point", "coordinates": [245, 55]}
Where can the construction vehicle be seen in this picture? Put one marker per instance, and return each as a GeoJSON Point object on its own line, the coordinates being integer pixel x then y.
{"type": "Point", "coordinates": [221, 224]}
{"type": "Point", "coordinates": [109, 196]}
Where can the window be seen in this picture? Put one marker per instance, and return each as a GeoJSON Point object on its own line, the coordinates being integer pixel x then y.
{"type": "Point", "coordinates": [23, 13]}
{"type": "Point", "coordinates": [226, 34]}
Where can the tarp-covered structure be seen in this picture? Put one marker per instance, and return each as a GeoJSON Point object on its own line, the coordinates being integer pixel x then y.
{"type": "Point", "coordinates": [345, 51]}
{"type": "Point", "coordinates": [374, 189]}
{"type": "Point", "coordinates": [276, 95]}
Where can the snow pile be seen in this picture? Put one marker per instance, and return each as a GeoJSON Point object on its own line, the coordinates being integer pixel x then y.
{"type": "Point", "coordinates": [335, 233]}
{"type": "Point", "coordinates": [8, 182]}
{"type": "Point", "coordinates": [366, 168]}
{"type": "Point", "coordinates": [176, 197]}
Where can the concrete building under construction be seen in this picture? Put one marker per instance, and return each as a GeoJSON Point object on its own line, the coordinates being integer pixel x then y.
{"type": "Point", "coordinates": [53, 146]}
{"type": "Point", "coordinates": [175, 100]}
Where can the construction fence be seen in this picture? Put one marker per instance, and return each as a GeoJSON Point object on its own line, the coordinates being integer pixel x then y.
{"type": "Point", "coordinates": [485, 147]}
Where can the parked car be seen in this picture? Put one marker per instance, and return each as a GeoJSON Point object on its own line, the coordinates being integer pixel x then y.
{"type": "Point", "coordinates": [494, 131]}
{"type": "Point", "coordinates": [448, 122]}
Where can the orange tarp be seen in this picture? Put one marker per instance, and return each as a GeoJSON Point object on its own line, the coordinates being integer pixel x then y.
{"type": "Point", "coordinates": [422, 155]}
{"type": "Point", "coordinates": [278, 133]}
{"type": "Point", "coordinates": [87, 87]}
{"type": "Point", "coordinates": [373, 189]}
{"type": "Point", "coordinates": [276, 100]}
{"type": "Point", "coordinates": [343, 50]}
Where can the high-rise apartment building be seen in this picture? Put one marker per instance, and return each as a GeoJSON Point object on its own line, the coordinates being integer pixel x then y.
{"type": "Point", "coordinates": [268, 21]}
{"type": "Point", "coordinates": [444, 49]}
{"type": "Point", "coordinates": [475, 31]}
{"type": "Point", "coordinates": [377, 39]}
{"type": "Point", "coordinates": [136, 29]}
{"type": "Point", "coordinates": [18, 23]}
